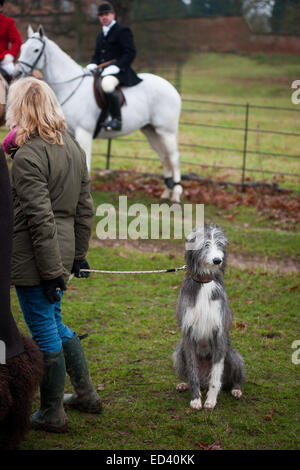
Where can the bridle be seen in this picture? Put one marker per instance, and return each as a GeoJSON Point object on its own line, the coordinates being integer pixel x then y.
{"type": "Point", "coordinates": [32, 67]}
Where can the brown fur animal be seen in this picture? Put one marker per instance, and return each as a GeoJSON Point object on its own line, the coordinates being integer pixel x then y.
{"type": "Point", "coordinates": [19, 379]}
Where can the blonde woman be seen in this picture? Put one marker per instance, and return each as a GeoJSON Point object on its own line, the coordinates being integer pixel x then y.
{"type": "Point", "coordinates": [53, 215]}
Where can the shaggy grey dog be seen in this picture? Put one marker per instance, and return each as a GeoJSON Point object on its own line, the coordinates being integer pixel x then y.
{"type": "Point", "coordinates": [204, 356]}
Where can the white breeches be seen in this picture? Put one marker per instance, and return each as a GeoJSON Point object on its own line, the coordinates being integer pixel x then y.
{"type": "Point", "coordinates": [109, 83]}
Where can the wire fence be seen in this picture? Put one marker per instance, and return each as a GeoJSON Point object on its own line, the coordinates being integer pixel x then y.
{"type": "Point", "coordinates": [194, 107]}
{"type": "Point", "coordinates": [168, 68]}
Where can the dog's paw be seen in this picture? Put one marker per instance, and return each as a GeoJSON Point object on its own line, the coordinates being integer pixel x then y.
{"type": "Point", "coordinates": [236, 393]}
{"type": "Point", "coordinates": [196, 404]}
{"type": "Point", "coordinates": [210, 404]}
{"type": "Point", "coordinates": [182, 387]}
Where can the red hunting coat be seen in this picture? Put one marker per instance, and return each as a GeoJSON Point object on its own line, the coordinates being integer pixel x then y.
{"type": "Point", "coordinates": [10, 38]}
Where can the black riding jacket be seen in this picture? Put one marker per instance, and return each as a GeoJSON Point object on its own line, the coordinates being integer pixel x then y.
{"type": "Point", "coordinates": [118, 45]}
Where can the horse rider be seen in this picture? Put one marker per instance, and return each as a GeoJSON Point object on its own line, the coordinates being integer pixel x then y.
{"type": "Point", "coordinates": [10, 45]}
{"type": "Point", "coordinates": [114, 44]}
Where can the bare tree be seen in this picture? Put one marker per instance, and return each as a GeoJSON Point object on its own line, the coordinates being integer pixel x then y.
{"type": "Point", "coordinates": [258, 14]}
{"type": "Point", "coordinates": [286, 17]}
{"type": "Point", "coordinates": [123, 10]}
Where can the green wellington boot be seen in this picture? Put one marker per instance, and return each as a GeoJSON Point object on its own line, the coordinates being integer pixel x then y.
{"type": "Point", "coordinates": [51, 416]}
{"type": "Point", "coordinates": [85, 397]}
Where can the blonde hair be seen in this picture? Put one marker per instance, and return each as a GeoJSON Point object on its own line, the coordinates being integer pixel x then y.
{"type": "Point", "coordinates": [32, 107]}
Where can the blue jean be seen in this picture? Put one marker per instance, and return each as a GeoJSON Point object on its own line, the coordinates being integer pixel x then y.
{"type": "Point", "coordinates": [43, 318]}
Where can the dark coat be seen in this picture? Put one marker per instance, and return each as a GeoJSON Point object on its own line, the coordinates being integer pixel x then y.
{"type": "Point", "coordinates": [8, 330]}
{"type": "Point", "coordinates": [119, 45]}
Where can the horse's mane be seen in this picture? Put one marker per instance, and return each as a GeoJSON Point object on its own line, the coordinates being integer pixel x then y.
{"type": "Point", "coordinates": [64, 57]}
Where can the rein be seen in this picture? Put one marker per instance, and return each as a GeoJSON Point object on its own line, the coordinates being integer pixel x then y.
{"type": "Point", "coordinates": [32, 67]}
{"type": "Point", "coordinates": [74, 91]}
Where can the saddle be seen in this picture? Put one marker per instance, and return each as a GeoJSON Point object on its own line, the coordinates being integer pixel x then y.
{"type": "Point", "coordinates": [99, 94]}
{"type": "Point", "coordinates": [101, 100]}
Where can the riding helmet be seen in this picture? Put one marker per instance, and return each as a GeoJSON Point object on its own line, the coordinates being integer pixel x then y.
{"type": "Point", "coordinates": [105, 7]}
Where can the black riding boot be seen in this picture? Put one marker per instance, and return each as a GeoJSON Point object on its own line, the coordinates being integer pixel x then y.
{"type": "Point", "coordinates": [115, 124]}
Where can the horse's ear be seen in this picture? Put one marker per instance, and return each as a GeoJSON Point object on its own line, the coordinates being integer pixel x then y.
{"type": "Point", "coordinates": [30, 31]}
{"type": "Point", "coordinates": [41, 31]}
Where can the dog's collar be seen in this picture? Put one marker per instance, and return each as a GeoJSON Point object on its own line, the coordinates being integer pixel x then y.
{"type": "Point", "coordinates": [203, 279]}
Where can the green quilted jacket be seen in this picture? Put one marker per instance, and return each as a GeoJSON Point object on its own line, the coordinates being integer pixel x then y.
{"type": "Point", "coordinates": [53, 210]}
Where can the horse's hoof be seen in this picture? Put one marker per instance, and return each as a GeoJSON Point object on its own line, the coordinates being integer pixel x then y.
{"type": "Point", "coordinates": [166, 194]}
{"type": "Point", "coordinates": [176, 193]}
{"type": "Point", "coordinates": [176, 201]}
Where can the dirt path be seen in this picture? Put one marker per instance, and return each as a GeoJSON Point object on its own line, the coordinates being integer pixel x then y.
{"type": "Point", "coordinates": [239, 260]}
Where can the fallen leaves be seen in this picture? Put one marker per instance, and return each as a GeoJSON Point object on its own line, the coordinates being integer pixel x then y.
{"type": "Point", "coordinates": [281, 207]}
{"type": "Point", "coordinates": [270, 415]}
{"type": "Point", "coordinates": [215, 446]}
{"type": "Point", "coordinates": [242, 326]}
{"type": "Point", "coordinates": [70, 287]}
{"type": "Point", "coordinates": [228, 429]}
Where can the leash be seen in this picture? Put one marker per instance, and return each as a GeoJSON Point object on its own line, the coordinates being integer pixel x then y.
{"type": "Point", "coordinates": [32, 67]}
{"type": "Point", "coordinates": [156, 271]}
{"type": "Point", "coordinates": [71, 79]}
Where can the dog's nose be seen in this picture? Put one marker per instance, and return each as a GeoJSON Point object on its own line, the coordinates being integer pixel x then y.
{"type": "Point", "coordinates": [217, 261]}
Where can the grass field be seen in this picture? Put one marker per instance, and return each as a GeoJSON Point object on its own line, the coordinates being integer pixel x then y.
{"type": "Point", "coordinates": [131, 320]}
{"type": "Point", "coordinates": [234, 79]}
{"type": "Point", "coordinates": [133, 332]}
{"type": "Point", "coordinates": [229, 79]}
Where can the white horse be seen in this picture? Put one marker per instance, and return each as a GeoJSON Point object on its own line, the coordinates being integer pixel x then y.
{"type": "Point", "coordinates": [153, 105]}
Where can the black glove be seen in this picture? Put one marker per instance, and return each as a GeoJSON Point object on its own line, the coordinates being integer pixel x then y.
{"type": "Point", "coordinates": [52, 287]}
{"type": "Point", "coordinates": [78, 265]}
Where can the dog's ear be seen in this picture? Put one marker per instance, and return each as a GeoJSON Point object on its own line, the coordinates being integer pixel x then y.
{"type": "Point", "coordinates": [190, 239]}
{"type": "Point", "coordinates": [194, 240]}
{"type": "Point", "coordinates": [219, 234]}
{"type": "Point", "coordinates": [223, 238]}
